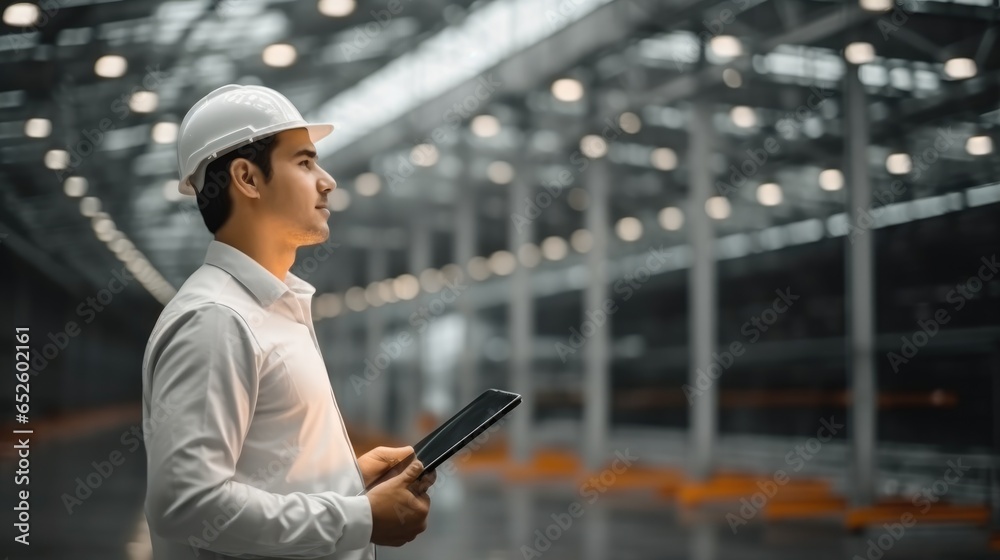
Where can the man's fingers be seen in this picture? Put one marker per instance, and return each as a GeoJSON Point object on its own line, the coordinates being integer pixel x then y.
{"type": "Point", "coordinates": [393, 455]}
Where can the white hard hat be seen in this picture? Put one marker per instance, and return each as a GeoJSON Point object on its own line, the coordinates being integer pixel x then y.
{"type": "Point", "coordinates": [230, 117]}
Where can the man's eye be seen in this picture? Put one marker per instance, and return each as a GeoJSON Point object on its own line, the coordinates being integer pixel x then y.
{"type": "Point", "coordinates": [305, 163]}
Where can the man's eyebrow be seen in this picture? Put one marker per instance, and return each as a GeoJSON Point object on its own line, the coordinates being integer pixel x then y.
{"type": "Point", "coordinates": [305, 152]}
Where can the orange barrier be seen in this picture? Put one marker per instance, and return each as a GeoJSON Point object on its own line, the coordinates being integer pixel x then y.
{"type": "Point", "coordinates": [893, 511]}
{"type": "Point", "coordinates": [71, 424]}
{"type": "Point", "coordinates": [547, 464]}
{"type": "Point", "coordinates": [732, 487]}
{"type": "Point", "coordinates": [829, 506]}
{"type": "Point", "coordinates": [752, 398]}
{"type": "Point", "coordinates": [662, 479]}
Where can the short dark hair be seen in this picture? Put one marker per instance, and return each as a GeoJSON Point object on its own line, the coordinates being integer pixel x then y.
{"type": "Point", "coordinates": [214, 201]}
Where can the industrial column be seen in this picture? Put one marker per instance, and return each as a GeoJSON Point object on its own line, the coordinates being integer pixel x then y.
{"type": "Point", "coordinates": [702, 295]}
{"type": "Point", "coordinates": [464, 249]}
{"type": "Point", "coordinates": [411, 386]}
{"type": "Point", "coordinates": [860, 293]}
{"type": "Point", "coordinates": [521, 326]}
{"type": "Point", "coordinates": [376, 394]}
{"type": "Point", "coordinates": [597, 350]}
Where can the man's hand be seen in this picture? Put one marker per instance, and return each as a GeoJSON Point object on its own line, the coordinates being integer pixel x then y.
{"type": "Point", "coordinates": [398, 514]}
{"type": "Point", "coordinates": [380, 460]}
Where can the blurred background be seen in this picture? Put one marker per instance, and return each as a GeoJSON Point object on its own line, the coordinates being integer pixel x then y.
{"type": "Point", "coordinates": [738, 256]}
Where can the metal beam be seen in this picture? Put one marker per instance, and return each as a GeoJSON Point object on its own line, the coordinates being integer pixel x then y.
{"type": "Point", "coordinates": [521, 328]}
{"type": "Point", "coordinates": [861, 293]}
{"type": "Point", "coordinates": [702, 308]}
{"type": "Point", "coordinates": [596, 386]}
{"type": "Point", "coordinates": [464, 243]}
{"type": "Point", "coordinates": [834, 21]}
{"type": "Point", "coordinates": [411, 386]}
{"type": "Point", "coordinates": [606, 26]}
{"type": "Point", "coordinates": [377, 393]}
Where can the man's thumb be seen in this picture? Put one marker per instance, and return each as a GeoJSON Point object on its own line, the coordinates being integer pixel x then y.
{"type": "Point", "coordinates": [413, 470]}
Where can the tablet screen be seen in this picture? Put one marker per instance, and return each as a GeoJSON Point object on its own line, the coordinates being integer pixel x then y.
{"type": "Point", "coordinates": [464, 426]}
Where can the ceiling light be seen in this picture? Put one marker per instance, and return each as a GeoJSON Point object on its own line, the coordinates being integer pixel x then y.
{"type": "Point", "coordinates": [500, 172]}
{"type": "Point", "coordinates": [769, 194]}
{"type": "Point", "coordinates": [593, 146]}
{"type": "Point", "coordinates": [143, 101]}
{"type": "Point", "coordinates": [279, 55]}
{"type": "Point", "coordinates": [111, 66]}
{"type": "Point", "coordinates": [554, 248]}
{"type": "Point", "coordinates": [21, 14]}
{"type": "Point", "coordinates": [628, 229]}
{"type": "Point", "coordinates": [170, 190]}
{"type": "Point", "coordinates": [89, 206]}
{"type": "Point", "coordinates": [328, 305]}
{"type": "Point", "coordinates": [671, 218]}
{"type": "Point", "coordinates": [424, 155]}
{"type": "Point", "coordinates": [75, 186]}
{"type": "Point", "coordinates": [567, 89]}
{"type": "Point", "coordinates": [485, 126]}
{"type": "Point", "coordinates": [663, 159]}
{"type": "Point", "coordinates": [406, 287]}
{"type": "Point", "coordinates": [859, 53]}
{"type": "Point", "coordinates": [451, 272]}
{"type": "Point", "coordinates": [338, 200]}
{"type": "Point", "coordinates": [718, 208]}
{"type": "Point", "coordinates": [960, 68]}
{"type": "Point", "coordinates": [743, 116]}
{"type": "Point", "coordinates": [37, 128]}
{"type": "Point", "coordinates": [107, 234]}
{"type": "Point", "coordinates": [726, 46]}
{"type": "Point", "coordinates": [386, 292]}
{"type": "Point", "coordinates": [528, 255]}
{"type": "Point", "coordinates": [120, 245]}
{"type": "Point", "coordinates": [630, 122]}
{"type": "Point", "coordinates": [336, 8]}
{"type": "Point", "coordinates": [367, 184]}
{"type": "Point", "coordinates": [354, 297]}
{"type": "Point", "coordinates": [876, 5]}
{"type": "Point", "coordinates": [372, 295]}
{"type": "Point", "coordinates": [502, 263]}
{"type": "Point", "coordinates": [137, 264]}
{"type": "Point", "coordinates": [103, 225]}
{"type": "Point", "coordinates": [131, 256]}
{"type": "Point", "coordinates": [831, 180]}
{"type": "Point", "coordinates": [732, 78]}
{"type": "Point", "coordinates": [430, 280]}
{"type": "Point", "coordinates": [164, 132]}
{"type": "Point", "coordinates": [581, 240]}
{"type": "Point", "coordinates": [478, 268]}
{"type": "Point", "coordinates": [979, 145]}
{"type": "Point", "coordinates": [898, 163]}
{"type": "Point", "coordinates": [56, 159]}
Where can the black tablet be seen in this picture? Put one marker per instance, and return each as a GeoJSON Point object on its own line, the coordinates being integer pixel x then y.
{"type": "Point", "coordinates": [462, 428]}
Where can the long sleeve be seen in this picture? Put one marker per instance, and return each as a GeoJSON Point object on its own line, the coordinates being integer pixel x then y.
{"type": "Point", "coordinates": [204, 381]}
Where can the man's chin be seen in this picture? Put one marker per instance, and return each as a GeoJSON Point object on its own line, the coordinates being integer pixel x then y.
{"type": "Point", "coordinates": [315, 236]}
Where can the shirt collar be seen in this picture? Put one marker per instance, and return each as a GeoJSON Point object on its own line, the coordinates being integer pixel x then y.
{"type": "Point", "coordinates": [254, 277]}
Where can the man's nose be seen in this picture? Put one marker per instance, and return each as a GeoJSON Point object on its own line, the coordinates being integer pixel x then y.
{"type": "Point", "coordinates": [326, 181]}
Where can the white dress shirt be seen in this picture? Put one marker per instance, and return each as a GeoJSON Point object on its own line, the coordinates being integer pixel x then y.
{"type": "Point", "coordinates": [248, 456]}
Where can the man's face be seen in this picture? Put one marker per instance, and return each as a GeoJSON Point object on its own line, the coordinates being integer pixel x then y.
{"type": "Point", "coordinates": [294, 199]}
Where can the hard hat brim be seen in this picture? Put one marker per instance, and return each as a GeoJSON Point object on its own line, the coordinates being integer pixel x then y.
{"type": "Point", "coordinates": [316, 131]}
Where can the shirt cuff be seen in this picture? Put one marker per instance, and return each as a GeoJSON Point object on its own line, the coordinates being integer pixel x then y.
{"type": "Point", "coordinates": [358, 530]}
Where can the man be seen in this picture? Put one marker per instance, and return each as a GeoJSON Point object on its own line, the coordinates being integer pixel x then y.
{"type": "Point", "coordinates": [247, 452]}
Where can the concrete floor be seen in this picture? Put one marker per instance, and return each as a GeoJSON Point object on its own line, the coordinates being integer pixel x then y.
{"type": "Point", "coordinates": [471, 519]}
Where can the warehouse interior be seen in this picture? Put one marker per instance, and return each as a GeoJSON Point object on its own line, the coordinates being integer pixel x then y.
{"type": "Point", "coordinates": [728, 241]}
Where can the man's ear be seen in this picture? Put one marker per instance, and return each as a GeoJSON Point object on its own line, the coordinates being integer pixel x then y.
{"type": "Point", "coordinates": [246, 177]}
